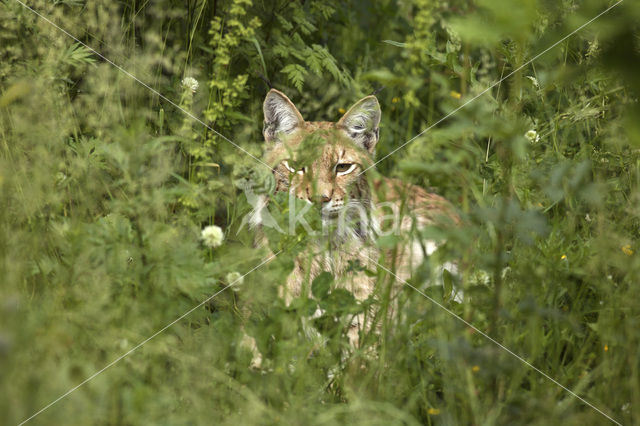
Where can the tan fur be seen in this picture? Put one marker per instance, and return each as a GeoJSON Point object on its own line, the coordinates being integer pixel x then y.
{"type": "Point", "coordinates": [316, 151]}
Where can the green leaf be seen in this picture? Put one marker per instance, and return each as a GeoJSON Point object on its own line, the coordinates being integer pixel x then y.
{"type": "Point", "coordinates": [295, 73]}
{"type": "Point", "coordinates": [340, 301]}
{"type": "Point", "coordinates": [264, 66]}
{"type": "Point", "coordinates": [395, 43]}
{"type": "Point", "coordinates": [388, 241]}
{"type": "Point", "coordinates": [321, 285]}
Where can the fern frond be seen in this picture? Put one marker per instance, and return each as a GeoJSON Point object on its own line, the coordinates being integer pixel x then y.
{"type": "Point", "coordinates": [295, 73]}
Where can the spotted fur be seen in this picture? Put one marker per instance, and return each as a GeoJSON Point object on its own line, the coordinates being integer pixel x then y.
{"type": "Point", "coordinates": [309, 158]}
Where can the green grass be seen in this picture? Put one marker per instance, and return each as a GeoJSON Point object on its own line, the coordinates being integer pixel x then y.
{"type": "Point", "coordinates": [105, 188]}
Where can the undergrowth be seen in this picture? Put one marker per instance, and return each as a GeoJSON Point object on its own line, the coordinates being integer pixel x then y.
{"type": "Point", "coordinates": [105, 188]}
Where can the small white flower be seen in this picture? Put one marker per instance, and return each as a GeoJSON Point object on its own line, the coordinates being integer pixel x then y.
{"type": "Point", "coordinates": [532, 135]}
{"type": "Point", "coordinates": [61, 178]}
{"type": "Point", "coordinates": [587, 217]}
{"type": "Point", "coordinates": [534, 81]}
{"type": "Point", "coordinates": [61, 228]}
{"type": "Point", "coordinates": [191, 84]}
{"type": "Point", "coordinates": [481, 277]}
{"type": "Point", "coordinates": [212, 236]}
{"type": "Point", "coordinates": [235, 279]}
{"type": "Point", "coordinates": [505, 272]}
{"type": "Point", "coordinates": [594, 49]}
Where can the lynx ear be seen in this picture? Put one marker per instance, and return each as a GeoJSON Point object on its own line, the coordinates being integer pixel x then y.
{"type": "Point", "coordinates": [361, 123]}
{"type": "Point", "coordinates": [280, 116]}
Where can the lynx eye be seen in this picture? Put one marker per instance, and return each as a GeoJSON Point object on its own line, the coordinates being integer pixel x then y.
{"type": "Point", "coordinates": [291, 169]}
{"type": "Point", "coordinates": [344, 168]}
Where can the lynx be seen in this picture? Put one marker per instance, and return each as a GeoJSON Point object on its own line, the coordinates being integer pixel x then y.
{"type": "Point", "coordinates": [328, 165]}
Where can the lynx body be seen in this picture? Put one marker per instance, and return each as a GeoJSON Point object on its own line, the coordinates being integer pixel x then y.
{"type": "Point", "coordinates": [323, 164]}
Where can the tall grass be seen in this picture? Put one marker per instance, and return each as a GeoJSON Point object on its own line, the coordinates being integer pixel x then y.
{"type": "Point", "coordinates": [105, 188]}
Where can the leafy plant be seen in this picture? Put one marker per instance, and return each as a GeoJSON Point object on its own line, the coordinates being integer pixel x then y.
{"type": "Point", "coordinates": [105, 188]}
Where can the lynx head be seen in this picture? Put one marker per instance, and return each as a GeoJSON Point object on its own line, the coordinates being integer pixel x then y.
{"type": "Point", "coordinates": [318, 161]}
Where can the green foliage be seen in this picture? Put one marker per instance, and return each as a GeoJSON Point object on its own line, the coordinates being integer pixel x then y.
{"type": "Point", "coordinates": [105, 188]}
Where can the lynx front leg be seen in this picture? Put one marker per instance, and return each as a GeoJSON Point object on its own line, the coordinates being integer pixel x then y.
{"type": "Point", "coordinates": [293, 286]}
{"type": "Point", "coordinates": [249, 343]}
{"type": "Point", "coordinates": [353, 333]}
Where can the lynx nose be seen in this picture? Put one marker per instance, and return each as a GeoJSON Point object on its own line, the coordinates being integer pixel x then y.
{"type": "Point", "coordinates": [324, 198]}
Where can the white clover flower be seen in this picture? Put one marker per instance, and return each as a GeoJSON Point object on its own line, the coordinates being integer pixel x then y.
{"type": "Point", "coordinates": [212, 236]}
{"type": "Point", "coordinates": [235, 279]}
{"type": "Point", "coordinates": [191, 84]}
{"type": "Point", "coordinates": [532, 135]}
